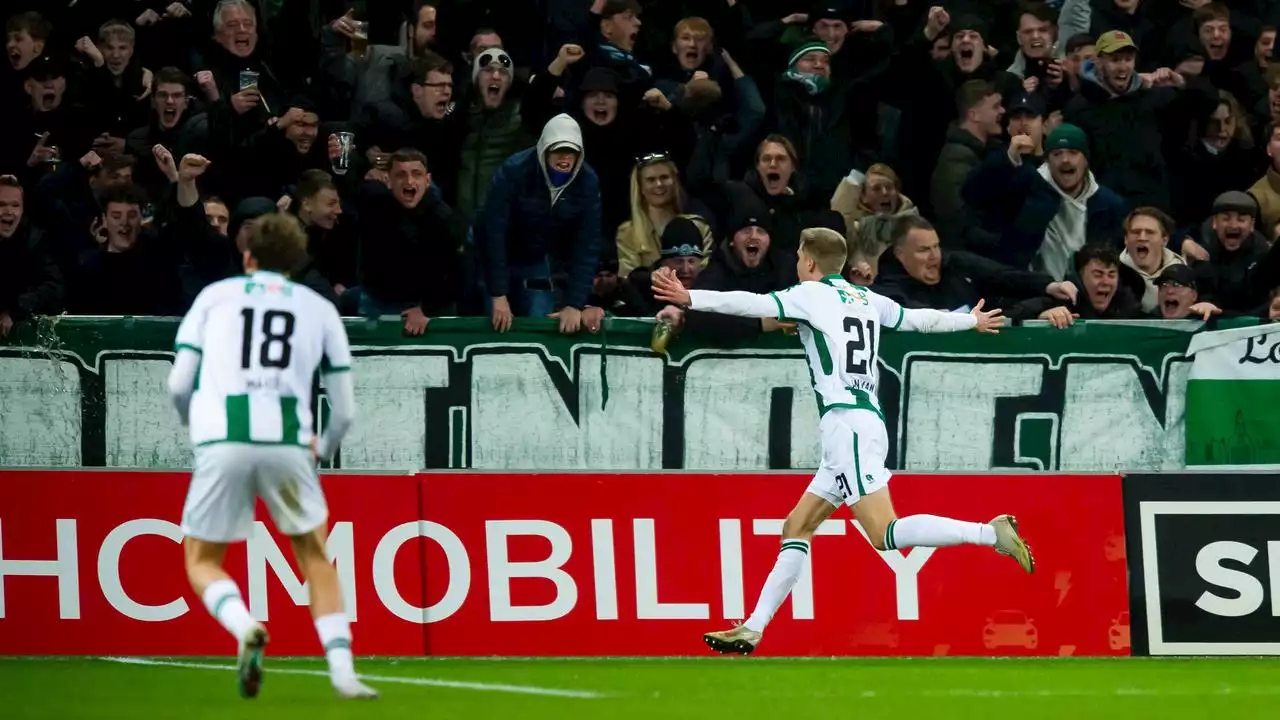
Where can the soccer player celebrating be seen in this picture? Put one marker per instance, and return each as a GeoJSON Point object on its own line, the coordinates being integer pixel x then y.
{"type": "Point", "coordinates": [840, 325]}
{"type": "Point", "coordinates": [246, 356]}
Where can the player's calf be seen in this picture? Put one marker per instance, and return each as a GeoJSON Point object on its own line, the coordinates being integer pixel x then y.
{"type": "Point", "coordinates": [220, 594]}
{"type": "Point", "coordinates": [797, 530]}
{"type": "Point", "coordinates": [332, 625]}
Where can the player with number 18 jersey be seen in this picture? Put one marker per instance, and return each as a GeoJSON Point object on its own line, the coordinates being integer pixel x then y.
{"type": "Point", "coordinates": [247, 356]}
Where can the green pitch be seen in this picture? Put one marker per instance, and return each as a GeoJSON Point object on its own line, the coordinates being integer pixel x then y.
{"type": "Point", "coordinates": [689, 688]}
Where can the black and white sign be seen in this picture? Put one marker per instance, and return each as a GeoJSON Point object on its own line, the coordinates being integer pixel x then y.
{"type": "Point", "coordinates": [1204, 560]}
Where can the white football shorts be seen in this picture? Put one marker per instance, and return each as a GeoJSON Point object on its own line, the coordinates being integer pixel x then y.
{"type": "Point", "coordinates": [228, 479]}
{"type": "Point", "coordinates": [855, 445]}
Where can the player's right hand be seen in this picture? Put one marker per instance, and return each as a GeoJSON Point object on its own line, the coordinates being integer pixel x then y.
{"type": "Point", "coordinates": [668, 288]}
{"type": "Point", "coordinates": [989, 321]}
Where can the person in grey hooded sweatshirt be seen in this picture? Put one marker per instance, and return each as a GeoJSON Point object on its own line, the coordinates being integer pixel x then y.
{"type": "Point", "coordinates": [540, 230]}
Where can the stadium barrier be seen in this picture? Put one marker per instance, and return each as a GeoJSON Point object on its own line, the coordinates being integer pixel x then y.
{"type": "Point", "coordinates": [577, 564]}
{"type": "Point", "coordinates": [1098, 397]}
{"type": "Point", "coordinates": [1204, 563]}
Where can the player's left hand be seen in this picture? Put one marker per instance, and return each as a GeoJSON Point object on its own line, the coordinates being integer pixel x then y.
{"type": "Point", "coordinates": [989, 321]}
{"type": "Point", "coordinates": [415, 321]}
{"type": "Point", "coordinates": [668, 288]}
{"type": "Point", "coordinates": [570, 319]}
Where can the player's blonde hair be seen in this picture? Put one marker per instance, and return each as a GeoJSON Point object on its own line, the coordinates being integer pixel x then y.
{"type": "Point", "coordinates": [826, 247]}
{"type": "Point", "coordinates": [278, 243]}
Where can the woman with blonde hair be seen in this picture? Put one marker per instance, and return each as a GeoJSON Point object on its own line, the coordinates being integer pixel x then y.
{"type": "Point", "coordinates": [657, 198]}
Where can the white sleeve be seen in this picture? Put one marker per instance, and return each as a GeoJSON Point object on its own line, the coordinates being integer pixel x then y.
{"type": "Point", "coordinates": [188, 349]}
{"type": "Point", "coordinates": [337, 348]}
{"type": "Point", "coordinates": [191, 329]}
{"type": "Point", "coordinates": [742, 304]}
{"type": "Point", "coordinates": [336, 368]}
{"type": "Point", "coordinates": [888, 309]}
{"type": "Point", "coordinates": [936, 321]}
{"type": "Point", "coordinates": [182, 380]}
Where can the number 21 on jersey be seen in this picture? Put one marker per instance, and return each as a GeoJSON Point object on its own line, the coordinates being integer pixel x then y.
{"type": "Point", "coordinates": [860, 349]}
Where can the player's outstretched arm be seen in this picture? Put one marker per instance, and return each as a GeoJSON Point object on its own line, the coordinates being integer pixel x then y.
{"type": "Point", "coordinates": [182, 381]}
{"type": "Point", "coordinates": [938, 321]}
{"type": "Point", "coordinates": [668, 288]}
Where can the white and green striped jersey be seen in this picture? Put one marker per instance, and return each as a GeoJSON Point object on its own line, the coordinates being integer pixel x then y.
{"type": "Point", "coordinates": [261, 339]}
{"type": "Point", "coordinates": [840, 326]}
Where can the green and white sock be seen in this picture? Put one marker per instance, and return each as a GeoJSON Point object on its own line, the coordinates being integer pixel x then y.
{"type": "Point", "coordinates": [786, 571]}
{"type": "Point", "coordinates": [222, 598]}
{"type": "Point", "coordinates": [934, 531]}
{"type": "Point", "coordinates": [335, 636]}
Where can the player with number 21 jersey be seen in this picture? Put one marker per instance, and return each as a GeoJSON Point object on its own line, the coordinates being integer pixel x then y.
{"type": "Point", "coordinates": [840, 325]}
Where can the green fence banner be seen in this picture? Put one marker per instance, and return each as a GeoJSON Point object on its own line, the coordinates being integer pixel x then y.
{"type": "Point", "coordinates": [1233, 399]}
{"type": "Point", "coordinates": [1095, 397]}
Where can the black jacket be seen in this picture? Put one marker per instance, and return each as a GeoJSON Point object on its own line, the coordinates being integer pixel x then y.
{"type": "Point", "coordinates": [409, 255]}
{"type": "Point", "coordinates": [965, 279]}
{"type": "Point", "coordinates": [1127, 133]}
{"type": "Point", "coordinates": [30, 279]}
{"type": "Point", "coordinates": [190, 135]}
{"type": "Point", "coordinates": [1126, 301]}
{"type": "Point", "coordinates": [143, 280]}
{"type": "Point", "coordinates": [958, 225]}
{"type": "Point", "coordinates": [725, 272]}
{"type": "Point", "coordinates": [1237, 279]}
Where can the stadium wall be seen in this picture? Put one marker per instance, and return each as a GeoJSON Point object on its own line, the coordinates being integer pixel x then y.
{"type": "Point", "coordinates": [581, 564]}
{"type": "Point", "coordinates": [1099, 397]}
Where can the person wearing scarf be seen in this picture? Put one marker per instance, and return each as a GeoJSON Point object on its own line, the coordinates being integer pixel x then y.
{"type": "Point", "coordinates": [810, 66]}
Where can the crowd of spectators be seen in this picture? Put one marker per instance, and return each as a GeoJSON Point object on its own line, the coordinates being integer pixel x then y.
{"type": "Point", "coordinates": [1062, 160]}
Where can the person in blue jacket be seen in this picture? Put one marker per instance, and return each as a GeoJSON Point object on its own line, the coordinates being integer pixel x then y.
{"type": "Point", "coordinates": [539, 234]}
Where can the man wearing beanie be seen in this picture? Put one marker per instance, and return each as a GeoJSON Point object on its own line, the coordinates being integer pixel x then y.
{"type": "Point", "coordinates": [823, 118]}
{"type": "Point", "coordinates": [1062, 206]}
{"type": "Point", "coordinates": [745, 261]}
{"type": "Point", "coordinates": [681, 251]}
{"type": "Point", "coordinates": [1130, 118]}
{"type": "Point", "coordinates": [495, 128]}
{"type": "Point", "coordinates": [858, 46]}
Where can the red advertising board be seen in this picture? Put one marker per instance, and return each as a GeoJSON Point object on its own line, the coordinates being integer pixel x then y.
{"type": "Point", "coordinates": [114, 537]}
{"type": "Point", "coordinates": [569, 564]}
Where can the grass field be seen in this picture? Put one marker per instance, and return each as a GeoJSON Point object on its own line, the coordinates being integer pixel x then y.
{"type": "Point", "coordinates": [192, 689]}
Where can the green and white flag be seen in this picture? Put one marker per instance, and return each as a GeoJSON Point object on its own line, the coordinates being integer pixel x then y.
{"type": "Point", "coordinates": [1233, 399]}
